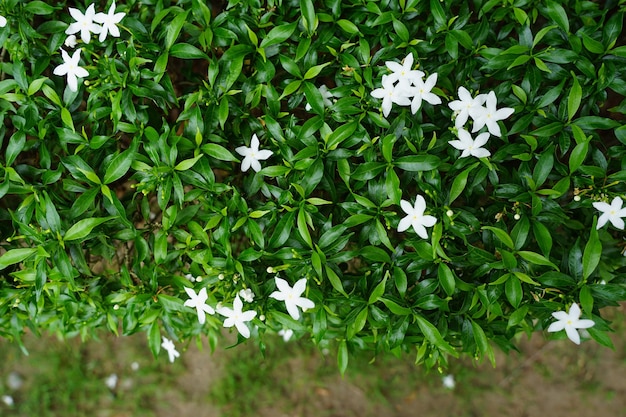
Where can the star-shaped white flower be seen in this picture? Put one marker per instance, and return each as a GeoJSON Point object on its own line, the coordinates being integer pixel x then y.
{"type": "Point", "coordinates": [421, 91]}
{"type": "Point", "coordinates": [169, 347]}
{"type": "Point", "coordinates": [198, 301]}
{"type": "Point", "coordinates": [253, 155]}
{"type": "Point", "coordinates": [286, 334]}
{"type": "Point", "coordinates": [415, 217]}
{"type": "Point", "coordinates": [3, 21]}
{"type": "Point", "coordinates": [402, 73]}
{"type": "Point", "coordinates": [109, 22]}
{"type": "Point", "coordinates": [292, 296]}
{"type": "Point", "coordinates": [70, 41]}
{"type": "Point", "coordinates": [570, 321]}
{"type": "Point", "coordinates": [247, 295]}
{"type": "Point", "coordinates": [611, 212]}
{"type": "Point", "coordinates": [489, 116]}
{"type": "Point", "coordinates": [236, 317]}
{"type": "Point", "coordinates": [326, 96]}
{"type": "Point", "coordinates": [464, 105]}
{"type": "Point", "coordinates": [469, 146]}
{"type": "Point", "coordinates": [391, 94]}
{"type": "Point", "coordinates": [84, 23]}
{"type": "Point", "coordinates": [71, 68]}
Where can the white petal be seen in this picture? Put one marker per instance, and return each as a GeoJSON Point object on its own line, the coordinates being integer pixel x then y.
{"type": "Point", "coordinates": [557, 326]}
{"type": "Point", "coordinates": [245, 164]}
{"type": "Point", "coordinates": [584, 324]}
{"type": "Point", "coordinates": [420, 230]}
{"type": "Point", "coordinates": [254, 144]}
{"type": "Point", "coordinates": [480, 153]}
{"type": "Point", "coordinates": [264, 154]}
{"type": "Point", "coordinates": [420, 204]}
{"type": "Point", "coordinates": [574, 311]}
{"type": "Point", "coordinates": [406, 206]}
{"type": "Point", "coordinates": [429, 221]}
{"type": "Point", "coordinates": [404, 224]}
{"type": "Point", "coordinates": [572, 334]}
{"type": "Point", "coordinates": [617, 222]}
{"type": "Point", "coordinates": [305, 303]}
{"type": "Point", "coordinates": [242, 329]}
{"type": "Point", "coordinates": [299, 287]}
{"type": "Point", "coordinates": [256, 166]}
{"type": "Point", "coordinates": [293, 311]}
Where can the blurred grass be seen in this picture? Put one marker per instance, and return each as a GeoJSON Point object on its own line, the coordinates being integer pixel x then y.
{"type": "Point", "coordinates": [67, 379]}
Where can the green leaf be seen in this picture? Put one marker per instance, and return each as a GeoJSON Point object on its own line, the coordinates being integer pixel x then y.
{"type": "Point", "coordinates": [348, 27]}
{"type": "Point", "coordinates": [342, 357]}
{"type": "Point", "coordinates": [592, 253]}
{"type": "Point", "coordinates": [335, 281]}
{"type": "Point", "coordinates": [574, 98]}
{"type": "Point", "coordinates": [279, 34]}
{"type": "Point", "coordinates": [502, 236]}
{"type": "Point", "coordinates": [416, 163]}
{"type": "Point", "coordinates": [83, 227]}
{"type": "Point", "coordinates": [432, 334]}
{"type": "Point", "coordinates": [154, 338]}
{"type": "Point", "coordinates": [187, 51]}
{"type": "Point", "coordinates": [459, 183]}
{"type": "Point", "coordinates": [601, 337]}
{"type": "Point", "coordinates": [340, 134]}
{"type": "Point", "coordinates": [586, 299]}
{"type": "Point", "coordinates": [438, 14]}
{"type": "Point", "coordinates": [557, 13]}
{"type": "Point", "coordinates": [309, 19]}
{"type": "Point", "coordinates": [483, 343]}
{"type": "Point", "coordinates": [174, 27]}
{"type": "Point", "coordinates": [14, 256]}
{"type": "Point", "coordinates": [219, 152]}
{"type": "Point", "coordinates": [119, 166]}
{"type": "Point", "coordinates": [577, 157]}
{"type": "Point", "coordinates": [395, 308]}
{"type": "Point", "coordinates": [513, 291]}
{"type": "Point", "coordinates": [378, 292]}
{"type": "Point", "coordinates": [543, 237]}
{"type": "Point", "coordinates": [38, 7]}
{"type": "Point", "coordinates": [315, 70]}
{"type": "Point", "coordinates": [446, 278]}
{"type": "Point", "coordinates": [536, 259]}
{"type": "Point", "coordinates": [187, 163]}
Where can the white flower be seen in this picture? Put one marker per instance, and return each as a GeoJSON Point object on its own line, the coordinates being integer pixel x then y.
{"type": "Point", "coordinates": [286, 334]}
{"type": "Point", "coordinates": [70, 41]}
{"type": "Point", "coordinates": [326, 96]}
{"type": "Point", "coordinates": [469, 146]}
{"type": "Point", "coordinates": [292, 296]}
{"type": "Point", "coordinates": [169, 347]}
{"type": "Point", "coordinates": [71, 68]}
{"type": "Point", "coordinates": [252, 155]}
{"type": "Point", "coordinates": [8, 400]}
{"type": "Point", "coordinates": [247, 295]}
{"type": "Point", "coordinates": [190, 278]}
{"type": "Point", "coordinates": [391, 94]}
{"type": "Point", "coordinates": [415, 217]}
{"type": "Point", "coordinates": [489, 115]}
{"type": "Point", "coordinates": [111, 381]}
{"type": "Point", "coordinates": [402, 73]}
{"type": "Point", "coordinates": [570, 321]}
{"type": "Point", "coordinates": [199, 303]}
{"type": "Point", "coordinates": [236, 317]}
{"type": "Point", "coordinates": [611, 212]}
{"type": "Point", "coordinates": [464, 105]}
{"type": "Point", "coordinates": [448, 381]}
{"type": "Point", "coordinates": [109, 22]}
{"type": "Point", "coordinates": [421, 91]}
{"type": "Point", "coordinates": [3, 21]}
{"type": "Point", "coordinates": [84, 23]}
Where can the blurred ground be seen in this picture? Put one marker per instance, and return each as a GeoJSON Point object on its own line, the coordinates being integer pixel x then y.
{"type": "Point", "coordinates": [548, 378]}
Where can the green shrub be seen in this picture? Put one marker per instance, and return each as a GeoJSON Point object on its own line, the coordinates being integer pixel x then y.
{"type": "Point", "coordinates": [213, 148]}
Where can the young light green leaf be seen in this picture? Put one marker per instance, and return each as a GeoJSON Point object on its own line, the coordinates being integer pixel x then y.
{"type": "Point", "coordinates": [83, 227]}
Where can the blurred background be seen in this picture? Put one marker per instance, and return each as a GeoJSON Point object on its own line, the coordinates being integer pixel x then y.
{"type": "Point", "coordinates": [118, 377]}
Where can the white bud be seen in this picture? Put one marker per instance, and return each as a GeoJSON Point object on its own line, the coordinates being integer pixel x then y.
{"type": "Point", "coordinates": [449, 213]}
{"type": "Point", "coordinates": [517, 216]}
{"type": "Point", "coordinates": [576, 198]}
